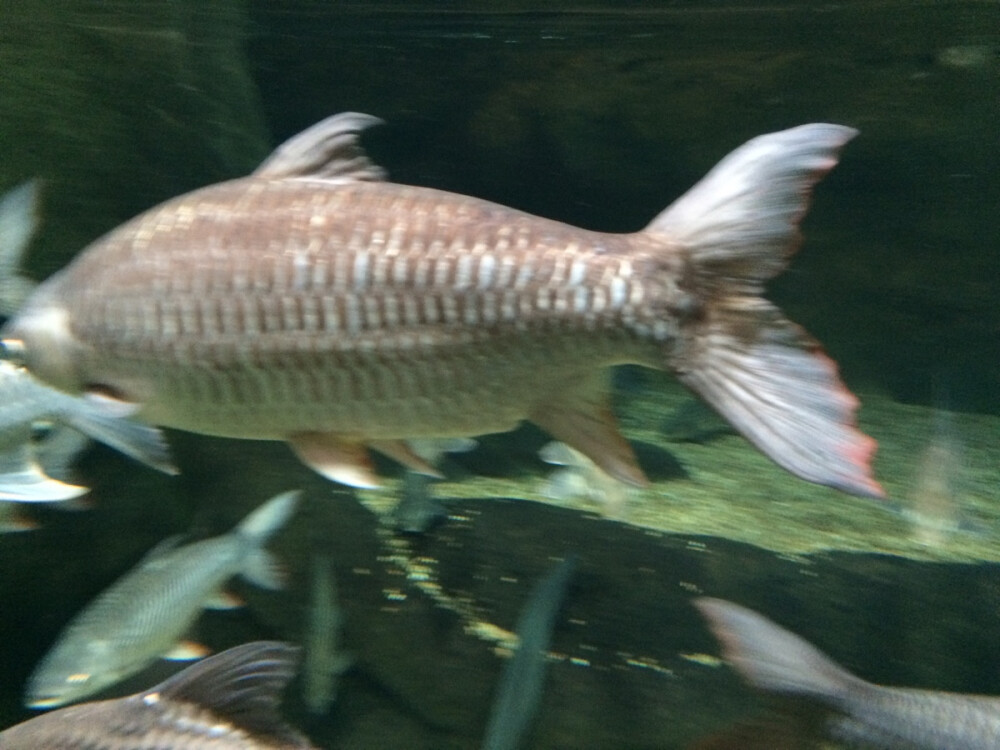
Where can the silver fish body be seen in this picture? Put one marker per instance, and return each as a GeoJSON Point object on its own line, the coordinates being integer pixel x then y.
{"type": "Point", "coordinates": [314, 302]}
{"type": "Point", "coordinates": [862, 714]}
{"type": "Point", "coordinates": [144, 614]}
{"type": "Point", "coordinates": [226, 702]}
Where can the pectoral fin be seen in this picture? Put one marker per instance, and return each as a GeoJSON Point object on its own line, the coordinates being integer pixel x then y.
{"type": "Point", "coordinates": [581, 417]}
{"type": "Point", "coordinates": [337, 458]}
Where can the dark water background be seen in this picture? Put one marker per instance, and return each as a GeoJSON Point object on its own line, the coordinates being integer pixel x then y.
{"type": "Point", "coordinates": [597, 115]}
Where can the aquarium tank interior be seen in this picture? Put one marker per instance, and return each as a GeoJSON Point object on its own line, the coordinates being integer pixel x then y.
{"type": "Point", "coordinates": [504, 588]}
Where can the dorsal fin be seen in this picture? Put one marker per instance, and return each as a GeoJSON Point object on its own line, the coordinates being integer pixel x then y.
{"type": "Point", "coordinates": [329, 149]}
{"type": "Point", "coordinates": [242, 685]}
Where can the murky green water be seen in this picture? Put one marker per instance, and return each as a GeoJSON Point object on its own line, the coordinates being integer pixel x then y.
{"type": "Point", "coordinates": [598, 116]}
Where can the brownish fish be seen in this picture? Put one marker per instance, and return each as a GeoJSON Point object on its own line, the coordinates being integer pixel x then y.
{"type": "Point", "coordinates": [314, 302]}
{"type": "Point", "coordinates": [226, 702]}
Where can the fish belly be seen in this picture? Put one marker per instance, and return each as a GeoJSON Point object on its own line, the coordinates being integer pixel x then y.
{"type": "Point", "coordinates": [471, 389]}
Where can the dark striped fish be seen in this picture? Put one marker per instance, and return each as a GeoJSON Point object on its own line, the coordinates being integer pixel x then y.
{"type": "Point", "coordinates": [229, 701]}
{"type": "Point", "coordinates": [860, 714]}
{"type": "Point", "coordinates": [316, 303]}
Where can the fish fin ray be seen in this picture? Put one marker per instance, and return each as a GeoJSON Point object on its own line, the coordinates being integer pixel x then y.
{"type": "Point", "coordinates": [329, 150]}
{"type": "Point", "coordinates": [772, 382]}
{"type": "Point", "coordinates": [337, 458]}
{"type": "Point", "coordinates": [142, 442]}
{"type": "Point", "coordinates": [403, 453]}
{"type": "Point", "coordinates": [738, 226]}
{"type": "Point", "coordinates": [243, 685]}
{"type": "Point", "coordinates": [581, 417]}
{"type": "Point", "coordinates": [740, 221]}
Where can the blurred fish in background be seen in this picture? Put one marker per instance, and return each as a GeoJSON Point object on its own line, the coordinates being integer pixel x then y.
{"type": "Point", "coordinates": [859, 713]}
{"type": "Point", "coordinates": [145, 613]}
{"type": "Point", "coordinates": [33, 467]}
{"type": "Point", "coordinates": [229, 701]}
{"type": "Point", "coordinates": [933, 504]}
{"type": "Point", "coordinates": [519, 692]}
{"type": "Point", "coordinates": [325, 660]}
{"type": "Point", "coordinates": [25, 402]}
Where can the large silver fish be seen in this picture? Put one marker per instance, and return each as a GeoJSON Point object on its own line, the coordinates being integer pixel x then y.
{"type": "Point", "coordinates": [144, 614]}
{"type": "Point", "coordinates": [861, 714]}
{"type": "Point", "coordinates": [314, 302]}
{"type": "Point", "coordinates": [228, 701]}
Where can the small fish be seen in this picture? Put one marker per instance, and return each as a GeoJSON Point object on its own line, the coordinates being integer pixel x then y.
{"type": "Point", "coordinates": [143, 615]}
{"type": "Point", "coordinates": [861, 714]}
{"type": "Point", "coordinates": [26, 401]}
{"type": "Point", "coordinates": [18, 224]}
{"type": "Point", "coordinates": [226, 702]}
{"type": "Point", "coordinates": [579, 477]}
{"type": "Point", "coordinates": [324, 661]}
{"type": "Point", "coordinates": [520, 688]}
{"type": "Point", "coordinates": [317, 303]}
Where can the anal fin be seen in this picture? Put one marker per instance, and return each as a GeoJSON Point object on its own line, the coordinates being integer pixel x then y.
{"type": "Point", "coordinates": [581, 416]}
{"type": "Point", "coordinates": [336, 457]}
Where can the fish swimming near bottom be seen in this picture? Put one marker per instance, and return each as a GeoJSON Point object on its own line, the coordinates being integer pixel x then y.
{"type": "Point", "coordinates": [315, 302]}
{"type": "Point", "coordinates": [861, 714]}
{"type": "Point", "coordinates": [229, 701]}
{"type": "Point", "coordinates": [144, 614]}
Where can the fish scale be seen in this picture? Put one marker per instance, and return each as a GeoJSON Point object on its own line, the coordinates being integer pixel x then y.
{"type": "Point", "coordinates": [354, 354]}
{"type": "Point", "coordinates": [317, 303]}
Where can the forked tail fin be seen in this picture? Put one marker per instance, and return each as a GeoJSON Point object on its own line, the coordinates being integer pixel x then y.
{"type": "Point", "coordinates": [767, 376]}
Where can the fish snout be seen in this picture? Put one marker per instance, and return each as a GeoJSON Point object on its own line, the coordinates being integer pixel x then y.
{"type": "Point", "coordinates": [40, 339]}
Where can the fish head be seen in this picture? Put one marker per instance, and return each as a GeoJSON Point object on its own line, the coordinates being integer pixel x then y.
{"type": "Point", "coordinates": [40, 337]}
{"type": "Point", "coordinates": [71, 671]}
